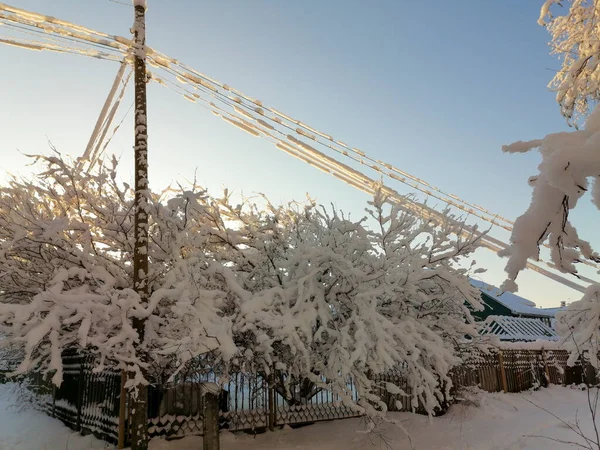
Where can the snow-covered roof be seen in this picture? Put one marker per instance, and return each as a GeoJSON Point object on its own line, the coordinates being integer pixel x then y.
{"type": "Point", "coordinates": [518, 305]}
{"type": "Point", "coordinates": [507, 328]}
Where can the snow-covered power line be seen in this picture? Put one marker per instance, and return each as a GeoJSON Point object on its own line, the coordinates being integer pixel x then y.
{"type": "Point", "coordinates": [251, 115]}
{"type": "Point", "coordinates": [354, 178]}
{"type": "Point", "coordinates": [252, 119]}
{"type": "Point", "coordinates": [185, 74]}
{"type": "Point", "coordinates": [41, 46]}
{"type": "Point", "coordinates": [105, 118]}
{"type": "Point", "coordinates": [60, 35]}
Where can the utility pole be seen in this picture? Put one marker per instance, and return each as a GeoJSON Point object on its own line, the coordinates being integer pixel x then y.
{"type": "Point", "coordinates": [139, 403]}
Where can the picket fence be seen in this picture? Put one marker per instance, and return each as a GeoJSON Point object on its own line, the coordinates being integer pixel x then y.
{"type": "Point", "coordinates": [88, 402]}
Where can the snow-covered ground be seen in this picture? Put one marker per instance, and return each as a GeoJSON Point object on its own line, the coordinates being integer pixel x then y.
{"type": "Point", "coordinates": [24, 428]}
{"type": "Point", "coordinates": [502, 422]}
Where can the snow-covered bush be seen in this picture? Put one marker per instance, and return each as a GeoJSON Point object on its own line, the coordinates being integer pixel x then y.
{"type": "Point", "coordinates": [579, 325]}
{"type": "Point", "coordinates": [328, 299]}
{"type": "Point", "coordinates": [298, 293]}
{"type": "Point", "coordinates": [471, 396]}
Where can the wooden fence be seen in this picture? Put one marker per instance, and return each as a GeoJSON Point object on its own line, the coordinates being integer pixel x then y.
{"type": "Point", "coordinates": [520, 370]}
{"type": "Point", "coordinates": [89, 402]}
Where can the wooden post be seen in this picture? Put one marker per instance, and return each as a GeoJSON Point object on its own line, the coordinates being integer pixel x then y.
{"type": "Point", "coordinates": [80, 395]}
{"type": "Point", "coordinates": [502, 371]}
{"type": "Point", "coordinates": [122, 411]}
{"type": "Point", "coordinates": [53, 400]}
{"type": "Point", "coordinates": [139, 401]}
{"type": "Point", "coordinates": [210, 440]}
{"type": "Point", "coordinates": [546, 370]}
{"type": "Point", "coordinates": [271, 402]}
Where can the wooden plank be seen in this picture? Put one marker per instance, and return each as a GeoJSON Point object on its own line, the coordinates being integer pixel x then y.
{"type": "Point", "coordinates": [502, 372]}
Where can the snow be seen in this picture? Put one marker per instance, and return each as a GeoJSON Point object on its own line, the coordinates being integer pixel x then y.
{"type": "Point", "coordinates": [503, 422]}
{"type": "Point", "coordinates": [579, 324]}
{"type": "Point", "coordinates": [517, 328]}
{"type": "Point", "coordinates": [24, 428]}
{"type": "Point", "coordinates": [500, 422]}
{"type": "Point", "coordinates": [574, 41]}
{"type": "Point", "coordinates": [518, 305]}
{"type": "Point", "coordinates": [534, 345]}
{"type": "Point", "coordinates": [569, 162]}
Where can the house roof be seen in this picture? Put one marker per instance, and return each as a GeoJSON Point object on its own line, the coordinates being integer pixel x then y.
{"type": "Point", "coordinates": [518, 305]}
{"type": "Point", "coordinates": [507, 328]}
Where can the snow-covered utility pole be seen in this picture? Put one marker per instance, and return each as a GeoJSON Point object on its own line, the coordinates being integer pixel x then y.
{"type": "Point", "coordinates": [139, 405]}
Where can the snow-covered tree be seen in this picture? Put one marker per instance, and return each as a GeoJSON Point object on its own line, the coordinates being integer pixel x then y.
{"type": "Point", "coordinates": [298, 293]}
{"type": "Point", "coordinates": [570, 167]}
{"type": "Point", "coordinates": [65, 271]}
{"type": "Point", "coordinates": [570, 163]}
{"type": "Point", "coordinates": [575, 39]}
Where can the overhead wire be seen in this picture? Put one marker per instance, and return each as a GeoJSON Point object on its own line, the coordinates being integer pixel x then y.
{"type": "Point", "coordinates": [35, 30]}
{"type": "Point", "coordinates": [300, 129]}
{"type": "Point", "coordinates": [99, 148]}
{"type": "Point", "coordinates": [57, 27]}
{"type": "Point", "coordinates": [40, 46]}
{"type": "Point", "coordinates": [209, 83]}
{"type": "Point", "coordinates": [256, 122]}
{"type": "Point", "coordinates": [364, 183]}
{"type": "Point", "coordinates": [257, 106]}
{"type": "Point", "coordinates": [120, 3]}
{"type": "Point", "coordinates": [489, 242]}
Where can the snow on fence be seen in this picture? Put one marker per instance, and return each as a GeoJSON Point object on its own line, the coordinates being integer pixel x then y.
{"type": "Point", "coordinates": [89, 402]}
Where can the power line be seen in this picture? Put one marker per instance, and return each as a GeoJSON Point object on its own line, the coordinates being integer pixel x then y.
{"type": "Point", "coordinates": [40, 46]}
{"type": "Point", "coordinates": [166, 63]}
{"type": "Point", "coordinates": [356, 181]}
{"type": "Point", "coordinates": [388, 170]}
{"type": "Point", "coordinates": [120, 3]}
{"type": "Point", "coordinates": [256, 122]}
{"type": "Point", "coordinates": [32, 30]}
{"type": "Point", "coordinates": [418, 184]}
{"type": "Point", "coordinates": [211, 87]}
{"type": "Point", "coordinates": [360, 181]}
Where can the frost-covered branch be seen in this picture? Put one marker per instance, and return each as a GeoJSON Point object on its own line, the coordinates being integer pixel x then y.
{"type": "Point", "coordinates": [569, 162]}
{"type": "Point", "coordinates": [576, 41]}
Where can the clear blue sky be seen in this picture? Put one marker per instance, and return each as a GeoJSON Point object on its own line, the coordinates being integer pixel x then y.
{"type": "Point", "coordinates": [435, 88]}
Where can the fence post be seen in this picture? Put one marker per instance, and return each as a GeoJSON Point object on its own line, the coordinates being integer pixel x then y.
{"type": "Point", "coordinates": [79, 395]}
{"type": "Point", "coordinates": [122, 410]}
{"type": "Point", "coordinates": [502, 371]}
{"type": "Point", "coordinates": [210, 422]}
{"type": "Point", "coordinates": [53, 400]}
{"type": "Point", "coordinates": [546, 370]}
{"type": "Point", "coordinates": [271, 401]}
